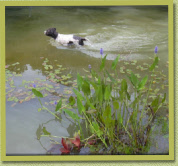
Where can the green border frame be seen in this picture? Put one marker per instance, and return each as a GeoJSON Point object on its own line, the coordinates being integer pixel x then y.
{"type": "Point", "coordinates": [88, 157]}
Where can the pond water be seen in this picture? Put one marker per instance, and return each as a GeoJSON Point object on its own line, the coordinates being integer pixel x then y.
{"type": "Point", "coordinates": [132, 32]}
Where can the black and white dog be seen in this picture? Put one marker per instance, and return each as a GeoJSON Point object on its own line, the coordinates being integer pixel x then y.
{"type": "Point", "coordinates": [64, 39]}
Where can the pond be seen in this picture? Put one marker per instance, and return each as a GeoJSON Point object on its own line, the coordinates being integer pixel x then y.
{"type": "Point", "coordinates": [132, 32]}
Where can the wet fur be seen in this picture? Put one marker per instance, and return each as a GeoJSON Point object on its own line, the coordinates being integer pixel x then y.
{"type": "Point", "coordinates": [65, 39]}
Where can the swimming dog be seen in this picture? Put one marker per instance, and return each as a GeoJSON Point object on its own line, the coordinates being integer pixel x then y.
{"type": "Point", "coordinates": [65, 39]}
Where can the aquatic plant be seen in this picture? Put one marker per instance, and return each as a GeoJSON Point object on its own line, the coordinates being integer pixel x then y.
{"type": "Point", "coordinates": [156, 49]}
{"type": "Point", "coordinates": [67, 146]}
{"type": "Point", "coordinates": [55, 76]}
{"type": "Point", "coordinates": [89, 66]}
{"type": "Point", "coordinates": [116, 122]}
{"type": "Point", "coordinates": [101, 51]}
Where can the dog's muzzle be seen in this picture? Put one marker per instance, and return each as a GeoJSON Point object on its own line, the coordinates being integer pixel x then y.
{"type": "Point", "coordinates": [45, 32]}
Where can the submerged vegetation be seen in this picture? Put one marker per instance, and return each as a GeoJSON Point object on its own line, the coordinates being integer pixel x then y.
{"type": "Point", "coordinates": [117, 115]}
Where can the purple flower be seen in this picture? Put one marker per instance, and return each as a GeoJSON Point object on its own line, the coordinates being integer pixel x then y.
{"type": "Point", "coordinates": [34, 85]}
{"type": "Point", "coordinates": [101, 51]}
{"type": "Point", "coordinates": [55, 102]}
{"type": "Point", "coordinates": [89, 66]}
{"type": "Point", "coordinates": [156, 49]}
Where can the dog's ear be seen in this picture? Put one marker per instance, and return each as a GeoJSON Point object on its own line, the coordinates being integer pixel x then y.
{"type": "Point", "coordinates": [55, 29]}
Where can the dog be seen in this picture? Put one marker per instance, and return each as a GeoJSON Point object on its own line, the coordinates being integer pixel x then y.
{"type": "Point", "coordinates": [65, 39]}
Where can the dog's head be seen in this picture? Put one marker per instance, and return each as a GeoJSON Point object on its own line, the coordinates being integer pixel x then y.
{"type": "Point", "coordinates": [51, 32]}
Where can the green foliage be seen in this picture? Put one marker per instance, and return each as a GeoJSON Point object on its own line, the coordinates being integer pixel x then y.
{"type": "Point", "coordinates": [114, 63]}
{"type": "Point", "coordinates": [80, 106]}
{"type": "Point", "coordinates": [37, 93]}
{"type": "Point", "coordinates": [138, 85]}
{"type": "Point", "coordinates": [95, 129]}
{"type": "Point", "coordinates": [73, 115]}
{"type": "Point", "coordinates": [107, 93]}
{"type": "Point", "coordinates": [163, 100]}
{"type": "Point", "coordinates": [71, 100]}
{"type": "Point", "coordinates": [107, 113]}
{"type": "Point", "coordinates": [79, 81]}
{"type": "Point", "coordinates": [104, 103]}
{"type": "Point", "coordinates": [45, 131]}
{"type": "Point", "coordinates": [103, 61]}
{"type": "Point", "coordinates": [78, 94]}
{"type": "Point", "coordinates": [142, 83]}
{"type": "Point", "coordinates": [134, 80]}
{"type": "Point", "coordinates": [152, 67]}
{"type": "Point", "coordinates": [155, 104]}
{"type": "Point", "coordinates": [124, 85]}
{"type": "Point", "coordinates": [116, 105]}
{"type": "Point", "coordinates": [59, 104]}
{"type": "Point", "coordinates": [86, 87]}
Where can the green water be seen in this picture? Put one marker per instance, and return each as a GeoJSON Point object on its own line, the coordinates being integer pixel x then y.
{"type": "Point", "coordinates": [132, 32]}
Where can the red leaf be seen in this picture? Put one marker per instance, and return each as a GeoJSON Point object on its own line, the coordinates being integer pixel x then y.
{"type": "Point", "coordinates": [66, 143]}
{"type": "Point", "coordinates": [76, 142]}
{"type": "Point", "coordinates": [64, 151]}
{"type": "Point", "coordinates": [91, 142]}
